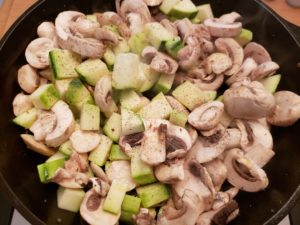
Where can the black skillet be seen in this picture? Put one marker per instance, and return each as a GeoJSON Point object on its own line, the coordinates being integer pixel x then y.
{"type": "Point", "coordinates": [37, 202]}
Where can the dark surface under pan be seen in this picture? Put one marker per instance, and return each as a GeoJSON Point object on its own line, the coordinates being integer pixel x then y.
{"type": "Point", "coordinates": [37, 202]}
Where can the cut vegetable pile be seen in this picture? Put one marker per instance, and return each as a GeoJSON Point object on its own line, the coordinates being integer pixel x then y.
{"type": "Point", "coordinates": [130, 108]}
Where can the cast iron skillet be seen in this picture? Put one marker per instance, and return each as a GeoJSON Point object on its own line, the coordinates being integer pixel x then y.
{"type": "Point", "coordinates": [37, 202]}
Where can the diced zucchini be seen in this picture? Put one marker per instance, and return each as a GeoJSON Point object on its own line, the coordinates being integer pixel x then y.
{"type": "Point", "coordinates": [77, 95]}
{"type": "Point", "coordinates": [204, 12]}
{"type": "Point", "coordinates": [153, 194]}
{"type": "Point", "coordinates": [107, 165]}
{"type": "Point", "coordinates": [57, 155]}
{"type": "Point", "coordinates": [101, 153]}
{"type": "Point", "coordinates": [112, 127]}
{"type": "Point", "coordinates": [150, 77]}
{"type": "Point", "coordinates": [164, 84]}
{"type": "Point", "coordinates": [131, 122]}
{"type": "Point", "coordinates": [271, 83]}
{"type": "Point", "coordinates": [178, 118]}
{"type": "Point", "coordinates": [121, 47]}
{"type": "Point", "coordinates": [109, 58]}
{"type": "Point", "coordinates": [63, 63]}
{"type": "Point", "coordinates": [167, 5]}
{"type": "Point", "coordinates": [66, 148]}
{"type": "Point", "coordinates": [141, 172]}
{"type": "Point", "coordinates": [138, 42]}
{"type": "Point", "coordinates": [41, 173]}
{"type": "Point", "coordinates": [173, 46]}
{"type": "Point", "coordinates": [131, 204]}
{"type": "Point", "coordinates": [244, 37]}
{"type": "Point", "coordinates": [183, 9]}
{"type": "Point", "coordinates": [26, 119]}
{"type": "Point", "coordinates": [91, 70]}
{"type": "Point", "coordinates": [112, 28]}
{"type": "Point", "coordinates": [62, 86]}
{"type": "Point", "coordinates": [117, 154]}
{"type": "Point", "coordinates": [92, 17]}
{"type": "Point", "coordinates": [157, 34]}
{"type": "Point", "coordinates": [126, 72]}
{"type": "Point", "coordinates": [47, 170]}
{"type": "Point", "coordinates": [130, 100]}
{"type": "Point", "coordinates": [69, 199]}
{"type": "Point", "coordinates": [90, 117]}
{"type": "Point", "coordinates": [158, 108]}
{"type": "Point", "coordinates": [45, 96]}
{"type": "Point", "coordinates": [114, 198]}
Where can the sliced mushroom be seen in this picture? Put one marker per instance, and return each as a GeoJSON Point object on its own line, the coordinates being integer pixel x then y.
{"type": "Point", "coordinates": [287, 109]}
{"type": "Point", "coordinates": [44, 125]}
{"type": "Point", "coordinates": [108, 18]}
{"type": "Point", "coordinates": [21, 104]}
{"type": "Point", "coordinates": [257, 52]}
{"type": "Point", "coordinates": [187, 214]}
{"type": "Point", "coordinates": [36, 146]}
{"type": "Point", "coordinates": [217, 63]}
{"type": "Point", "coordinates": [243, 173]}
{"type": "Point", "coordinates": [234, 138]}
{"type": "Point", "coordinates": [83, 27]}
{"type": "Point", "coordinates": [225, 26]}
{"type": "Point", "coordinates": [46, 73]}
{"type": "Point", "coordinates": [254, 133]}
{"type": "Point", "coordinates": [98, 171]}
{"type": "Point", "coordinates": [153, 2]}
{"type": "Point", "coordinates": [120, 170]}
{"type": "Point", "coordinates": [248, 100]}
{"type": "Point", "coordinates": [103, 96]}
{"type": "Point", "coordinates": [129, 142]}
{"type": "Point", "coordinates": [260, 155]}
{"type": "Point", "coordinates": [264, 70]}
{"type": "Point", "coordinates": [100, 186]}
{"type": "Point", "coordinates": [170, 172]}
{"type": "Point", "coordinates": [86, 47]}
{"type": "Point", "coordinates": [47, 30]}
{"type": "Point", "coordinates": [91, 210]}
{"type": "Point", "coordinates": [217, 171]}
{"type": "Point", "coordinates": [106, 36]}
{"type": "Point", "coordinates": [248, 66]}
{"type": "Point", "coordinates": [153, 148]}
{"type": "Point", "coordinates": [37, 52]}
{"type": "Point", "coordinates": [28, 78]}
{"type": "Point", "coordinates": [220, 216]}
{"type": "Point", "coordinates": [230, 47]}
{"type": "Point", "coordinates": [175, 104]}
{"type": "Point", "coordinates": [84, 141]}
{"type": "Point", "coordinates": [144, 217]}
{"type": "Point", "coordinates": [65, 125]}
{"type": "Point", "coordinates": [223, 198]}
{"type": "Point", "coordinates": [160, 62]}
{"type": "Point", "coordinates": [206, 116]}
{"type": "Point", "coordinates": [192, 132]}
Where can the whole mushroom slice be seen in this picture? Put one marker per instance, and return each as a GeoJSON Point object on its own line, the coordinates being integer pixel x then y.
{"type": "Point", "coordinates": [86, 47]}
{"type": "Point", "coordinates": [45, 123]}
{"type": "Point", "coordinates": [190, 208]}
{"type": "Point", "coordinates": [217, 63]}
{"type": "Point", "coordinates": [287, 109]}
{"type": "Point", "coordinates": [28, 78]}
{"type": "Point", "coordinates": [257, 52]}
{"type": "Point", "coordinates": [264, 70]}
{"type": "Point", "coordinates": [230, 47]}
{"type": "Point", "coordinates": [243, 173]}
{"type": "Point", "coordinates": [220, 216]}
{"type": "Point", "coordinates": [21, 104]}
{"type": "Point", "coordinates": [170, 171]}
{"type": "Point", "coordinates": [217, 171]}
{"type": "Point", "coordinates": [248, 66]}
{"type": "Point", "coordinates": [153, 148]}
{"type": "Point", "coordinates": [206, 116]}
{"type": "Point", "coordinates": [37, 52]}
{"type": "Point", "coordinates": [103, 95]}
{"type": "Point", "coordinates": [120, 170]}
{"type": "Point", "coordinates": [84, 141]}
{"type": "Point", "coordinates": [46, 29]}
{"type": "Point", "coordinates": [65, 125]}
{"type": "Point", "coordinates": [36, 146]}
{"type": "Point", "coordinates": [248, 100]}
{"type": "Point", "coordinates": [129, 142]}
{"type": "Point", "coordinates": [92, 212]}
{"type": "Point", "coordinates": [254, 133]}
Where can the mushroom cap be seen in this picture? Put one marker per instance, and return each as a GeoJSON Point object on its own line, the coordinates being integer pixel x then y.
{"type": "Point", "coordinates": [248, 100]}
{"type": "Point", "coordinates": [21, 104]}
{"type": "Point", "coordinates": [65, 125]}
{"type": "Point", "coordinates": [219, 28]}
{"type": "Point", "coordinates": [287, 109]}
{"type": "Point", "coordinates": [243, 173]}
{"type": "Point", "coordinates": [120, 170]}
{"type": "Point", "coordinates": [91, 210]}
{"type": "Point", "coordinates": [86, 47]}
{"type": "Point", "coordinates": [230, 17]}
{"type": "Point", "coordinates": [257, 52]}
{"type": "Point", "coordinates": [206, 116]}
{"type": "Point", "coordinates": [153, 2]}
{"type": "Point", "coordinates": [230, 47]}
{"type": "Point", "coordinates": [37, 52]}
{"type": "Point", "coordinates": [28, 78]}
{"type": "Point", "coordinates": [264, 70]}
{"type": "Point", "coordinates": [84, 141]}
{"type": "Point", "coordinates": [46, 29]}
